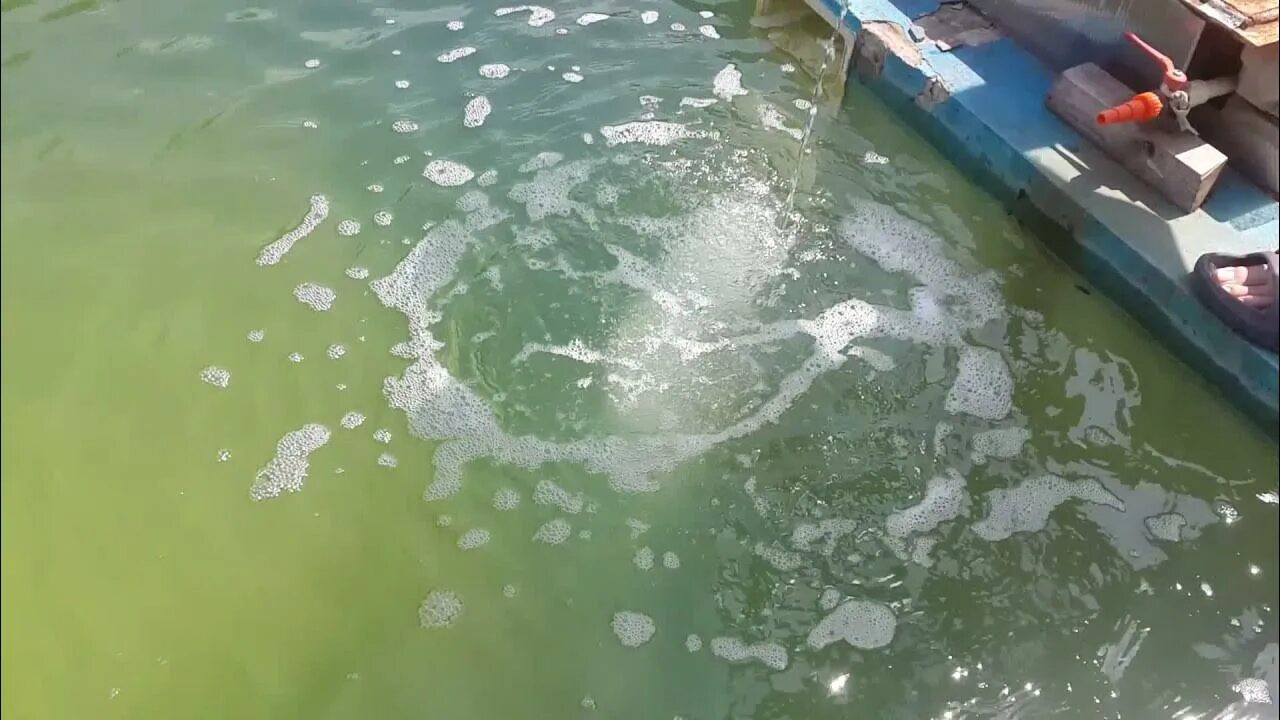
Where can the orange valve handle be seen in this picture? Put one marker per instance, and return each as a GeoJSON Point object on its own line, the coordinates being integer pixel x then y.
{"type": "Point", "coordinates": [1140, 108]}
{"type": "Point", "coordinates": [1174, 79]}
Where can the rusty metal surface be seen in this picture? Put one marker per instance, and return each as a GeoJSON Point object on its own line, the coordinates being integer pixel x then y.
{"type": "Point", "coordinates": [1253, 21]}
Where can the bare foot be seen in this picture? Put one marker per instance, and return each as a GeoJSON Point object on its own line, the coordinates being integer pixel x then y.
{"type": "Point", "coordinates": [1252, 285]}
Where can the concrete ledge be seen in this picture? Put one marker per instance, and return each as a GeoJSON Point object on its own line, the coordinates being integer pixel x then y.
{"type": "Point", "coordinates": [985, 106]}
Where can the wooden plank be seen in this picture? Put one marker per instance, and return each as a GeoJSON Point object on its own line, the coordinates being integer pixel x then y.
{"type": "Point", "coordinates": [1178, 164]}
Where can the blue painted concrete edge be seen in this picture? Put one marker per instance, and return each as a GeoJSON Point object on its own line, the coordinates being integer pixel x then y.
{"type": "Point", "coordinates": [995, 116]}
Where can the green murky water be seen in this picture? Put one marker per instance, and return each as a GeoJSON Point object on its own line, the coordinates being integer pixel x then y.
{"type": "Point", "coordinates": [633, 440]}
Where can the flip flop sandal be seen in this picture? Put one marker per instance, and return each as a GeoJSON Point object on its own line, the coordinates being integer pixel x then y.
{"type": "Point", "coordinates": [1260, 326]}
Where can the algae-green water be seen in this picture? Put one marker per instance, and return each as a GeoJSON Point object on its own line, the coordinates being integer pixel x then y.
{"type": "Point", "coordinates": [555, 407]}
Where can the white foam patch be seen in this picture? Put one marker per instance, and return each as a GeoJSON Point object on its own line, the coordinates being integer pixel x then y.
{"type": "Point", "coordinates": [404, 127]}
{"type": "Point", "coordinates": [709, 31]}
{"type": "Point", "coordinates": [487, 178]}
{"type": "Point", "coordinates": [348, 228]}
{"type": "Point", "coordinates": [476, 111]}
{"type": "Point", "coordinates": [706, 14]}
{"type": "Point", "coordinates": [1254, 691]}
{"type": "Point", "coordinates": [454, 25]}
{"type": "Point", "coordinates": [643, 559]}
{"type": "Point", "coordinates": [553, 532]}
{"type": "Point", "coordinates": [357, 273]}
{"type": "Point", "coordinates": [773, 119]}
{"type": "Point", "coordinates": [541, 161]}
{"type": "Point", "coordinates": [455, 54]}
{"type": "Point", "coordinates": [677, 27]}
{"type": "Point", "coordinates": [352, 420]}
{"type": "Point", "coordinates": [728, 83]}
{"type": "Point", "coordinates": [697, 102]}
{"type": "Point", "coordinates": [383, 218]}
{"type": "Point", "coordinates": [216, 376]}
{"type": "Point", "coordinates": [1166, 526]}
{"type": "Point", "coordinates": [506, 500]}
{"type": "Point", "coordinates": [295, 357]}
{"type": "Point", "coordinates": [693, 643]}
{"type": "Point", "coordinates": [983, 387]}
{"type": "Point", "coordinates": [649, 17]}
{"type": "Point", "coordinates": [549, 493]}
{"type": "Point", "coordinates": [274, 252]}
{"type": "Point", "coordinates": [802, 104]}
{"type": "Point", "coordinates": [1026, 507]}
{"type": "Point", "coordinates": [861, 623]}
{"type": "Point", "coordinates": [829, 598]}
{"type": "Point", "coordinates": [287, 471]}
{"type": "Point", "coordinates": [670, 560]}
{"type": "Point", "coordinates": [473, 538]}
{"type": "Point", "coordinates": [944, 500]}
{"type": "Point", "coordinates": [591, 18]}
{"type": "Point", "coordinates": [632, 629]}
{"type": "Point", "coordinates": [311, 64]}
{"type": "Point", "coordinates": [572, 77]}
{"type": "Point", "coordinates": [829, 531]}
{"type": "Point", "coordinates": [547, 193]}
{"type": "Point", "coordinates": [256, 336]}
{"type": "Point", "coordinates": [1003, 443]}
{"type": "Point", "coordinates": [388, 460]}
{"type": "Point", "coordinates": [771, 655]}
{"type": "Point", "coordinates": [650, 132]}
{"type": "Point", "coordinates": [316, 297]}
{"type": "Point", "coordinates": [779, 558]}
{"type": "Point", "coordinates": [440, 609]}
{"type": "Point", "coordinates": [494, 71]}
{"type": "Point", "coordinates": [509, 591]}
{"type": "Point", "coordinates": [402, 84]}
{"type": "Point", "coordinates": [336, 351]}
{"type": "Point", "coordinates": [447, 173]}
{"type": "Point", "coordinates": [538, 15]}
{"type": "Point", "coordinates": [874, 158]}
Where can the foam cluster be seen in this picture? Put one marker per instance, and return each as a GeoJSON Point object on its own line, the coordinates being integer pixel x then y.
{"type": "Point", "coordinates": [447, 173]}
{"type": "Point", "coordinates": [455, 54]}
{"type": "Point", "coordinates": [357, 273]}
{"type": "Point", "coordinates": [287, 471]}
{"type": "Point", "coordinates": [1003, 443]}
{"type": "Point", "coordinates": [476, 111]}
{"type": "Point", "coordinates": [547, 193]}
{"type": "Point", "coordinates": [633, 629]}
{"type": "Point", "coordinates": [216, 376]}
{"type": "Point", "coordinates": [670, 560]}
{"type": "Point", "coordinates": [861, 623]}
{"type": "Point", "coordinates": [538, 15]}
{"type": "Point", "coordinates": [336, 351]}
{"type": "Point", "coordinates": [771, 655]}
{"type": "Point", "coordinates": [316, 297]}
{"type": "Point", "coordinates": [382, 435]}
{"type": "Point", "coordinates": [1026, 507]}
{"type": "Point", "coordinates": [829, 598]}
{"type": "Point", "coordinates": [643, 558]}
{"type": "Point", "coordinates": [709, 31]}
{"type": "Point", "coordinates": [473, 538]}
{"type": "Point", "coordinates": [348, 228]}
{"type": "Point", "coordinates": [274, 252]}
{"type": "Point", "coordinates": [506, 499]}
{"type": "Point", "coordinates": [1166, 526]}
{"type": "Point", "coordinates": [780, 559]}
{"type": "Point", "coordinates": [591, 18]}
{"type": "Point", "coordinates": [944, 499]}
{"type": "Point", "coordinates": [454, 25]}
{"type": "Point", "coordinates": [647, 132]}
{"type": "Point", "coordinates": [649, 17]}
{"type": "Point", "coordinates": [549, 493]}
{"type": "Point", "coordinates": [440, 609]}
{"type": "Point", "coordinates": [693, 643]}
{"type": "Point", "coordinates": [256, 336]}
{"type": "Point", "coordinates": [727, 83]}
{"type": "Point", "coordinates": [829, 530]}
{"type": "Point", "coordinates": [388, 460]}
{"type": "Point", "coordinates": [404, 127]}
{"type": "Point", "coordinates": [382, 218]}
{"type": "Point", "coordinates": [983, 387]}
{"type": "Point", "coordinates": [553, 532]}
{"type": "Point", "coordinates": [494, 71]}
{"type": "Point", "coordinates": [351, 420]}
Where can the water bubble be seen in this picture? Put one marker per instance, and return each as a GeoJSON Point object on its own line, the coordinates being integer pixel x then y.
{"type": "Point", "coordinates": [310, 124]}
{"type": "Point", "coordinates": [402, 84]}
{"type": "Point", "coordinates": [375, 188]}
{"type": "Point", "coordinates": [225, 455]}
{"type": "Point", "coordinates": [357, 273]}
{"type": "Point", "coordinates": [311, 64]}
{"type": "Point", "coordinates": [494, 71]}
{"type": "Point", "coordinates": [787, 69]}
{"type": "Point", "coordinates": [670, 560]}
{"type": "Point", "coordinates": [678, 27]}
{"type": "Point", "coordinates": [454, 25]}
{"type": "Point", "coordinates": [382, 435]}
{"type": "Point", "coordinates": [572, 77]}
{"type": "Point", "coordinates": [296, 357]}
{"type": "Point", "coordinates": [649, 17]}
{"type": "Point", "coordinates": [336, 351]}
{"type": "Point", "coordinates": [256, 336]}
{"type": "Point", "coordinates": [509, 591]}
{"type": "Point", "coordinates": [382, 218]}
{"type": "Point", "coordinates": [693, 643]}
{"type": "Point", "coordinates": [404, 126]}
{"type": "Point", "coordinates": [388, 460]}
{"type": "Point", "coordinates": [352, 420]}
{"type": "Point", "coordinates": [473, 538]}
{"type": "Point", "coordinates": [633, 629]}
{"type": "Point", "coordinates": [447, 173]}
{"type": "Point", "coordinates": [401, 159]}
{"type": "Point", "coordinates": [348, 228]}
{"type": "Point", "coordinates": [216, 376]}
{"type": "Point", "coordinates": [440, 609]}
{"type": "Point", "coordinates": [444, 521]}
{"type": "Point", "coordinates": [772, 655]}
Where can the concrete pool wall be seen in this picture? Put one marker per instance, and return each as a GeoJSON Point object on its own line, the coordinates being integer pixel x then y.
{"type": "Point", "coordinates": [984, 105]}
